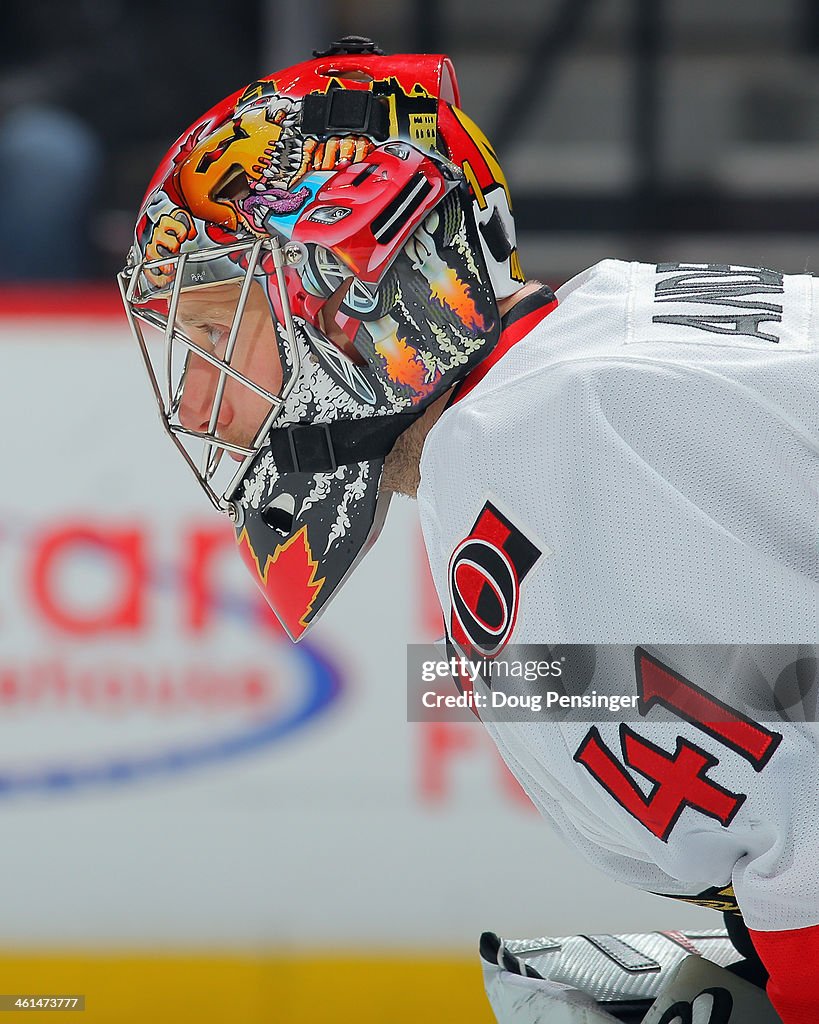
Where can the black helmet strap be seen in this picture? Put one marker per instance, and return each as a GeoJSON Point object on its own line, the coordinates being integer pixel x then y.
{"type": "Point", "coordinates": [323, 447]}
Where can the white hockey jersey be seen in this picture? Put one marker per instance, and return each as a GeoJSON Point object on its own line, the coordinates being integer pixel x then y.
{"type": "Point", "coordinates": [642, 464]}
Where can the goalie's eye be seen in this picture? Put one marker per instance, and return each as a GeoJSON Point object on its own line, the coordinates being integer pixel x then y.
{"type": "Point", "coordinates": [215, 334]}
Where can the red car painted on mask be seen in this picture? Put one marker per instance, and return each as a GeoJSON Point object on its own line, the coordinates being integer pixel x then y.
{"type": "Point", "coordinates": [360, 219]}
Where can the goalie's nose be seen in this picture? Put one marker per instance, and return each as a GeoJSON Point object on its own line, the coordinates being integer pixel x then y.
{"type": "Point", "coordinates": [199, 394]}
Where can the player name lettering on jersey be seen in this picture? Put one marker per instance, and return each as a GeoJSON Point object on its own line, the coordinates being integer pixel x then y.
{"type": "Point", "coordinates": [716, 284]}
{"type": "Point", "coordinates": [719, 304]}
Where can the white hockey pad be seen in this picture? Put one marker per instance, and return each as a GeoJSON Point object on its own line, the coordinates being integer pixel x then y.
{"type": "Point", "coordinates": [702, 993]}
{"type": "Point", "coordinates": [591, 979]}
{"type": "Point", "coordinates": [517, 1000]}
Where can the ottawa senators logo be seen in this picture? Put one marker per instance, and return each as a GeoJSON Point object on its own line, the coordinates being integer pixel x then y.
{"type": "Point", "coordinates": [485, 574]}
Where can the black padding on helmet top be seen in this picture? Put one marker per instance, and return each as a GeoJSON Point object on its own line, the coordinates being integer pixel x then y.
{"type": "Point", "coordinates": [350, 44]}
{"type": "Point", "coordinates": [341, 111]}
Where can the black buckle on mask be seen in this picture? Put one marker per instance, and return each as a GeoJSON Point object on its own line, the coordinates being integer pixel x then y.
{"type": "Point", "coordinates": [342, 111]}
{"type": "Point", "coordinates": [323, 447]}
{"type": "Point", "coordinates": [311, 448]}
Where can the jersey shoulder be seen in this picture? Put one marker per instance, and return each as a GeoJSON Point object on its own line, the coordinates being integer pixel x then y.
{"type": "Point", "coordinates": [740, 322]}
{"type": "Point", "coordinates": [688, 355]}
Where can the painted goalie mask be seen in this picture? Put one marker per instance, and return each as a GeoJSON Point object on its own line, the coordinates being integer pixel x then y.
{"type": "Point", "coordinates": [316, 260]}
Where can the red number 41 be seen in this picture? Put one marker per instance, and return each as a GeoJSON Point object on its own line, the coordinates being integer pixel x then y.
{"type": "Point", "coordinates": [680, 779]}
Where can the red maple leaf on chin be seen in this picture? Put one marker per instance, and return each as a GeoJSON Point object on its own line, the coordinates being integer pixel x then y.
{"type": "Point", "coordinates": [287, 580]}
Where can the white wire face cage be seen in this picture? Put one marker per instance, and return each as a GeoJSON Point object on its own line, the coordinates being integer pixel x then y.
{"type": "Point", "coordinates": [151, 292]}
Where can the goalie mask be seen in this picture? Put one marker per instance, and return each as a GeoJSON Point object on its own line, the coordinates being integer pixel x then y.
{"type": "Point", "coordinates": [316, 261]}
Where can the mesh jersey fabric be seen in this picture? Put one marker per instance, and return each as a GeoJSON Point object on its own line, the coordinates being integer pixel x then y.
{"type": "Point", "coordinates": [657, 435]}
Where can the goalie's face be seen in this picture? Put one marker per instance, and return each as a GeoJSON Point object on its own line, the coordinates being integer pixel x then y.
{"type": "Point", "coordinates": [206, 316]}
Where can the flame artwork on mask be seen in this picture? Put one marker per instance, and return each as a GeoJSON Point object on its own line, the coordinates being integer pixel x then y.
{"type": "Point", "coordinates": [449, 290]}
